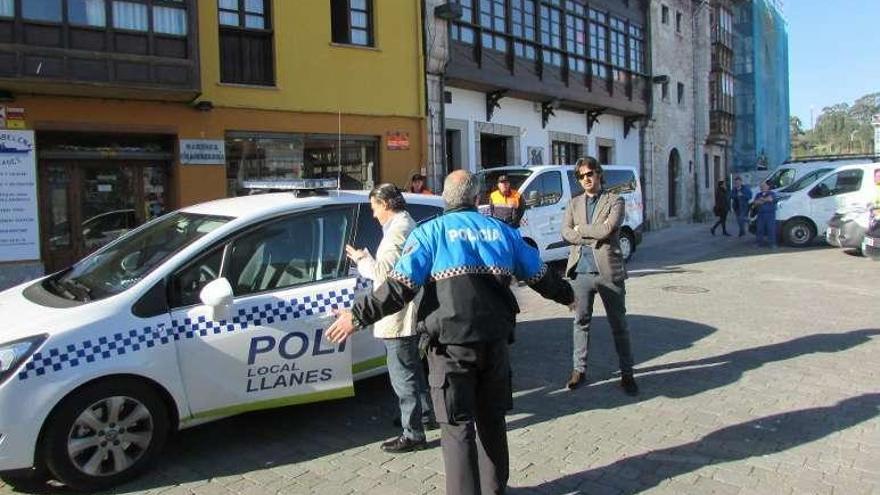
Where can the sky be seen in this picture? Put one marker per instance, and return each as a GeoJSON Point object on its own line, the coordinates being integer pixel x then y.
{"type": "Point", "coordinates": [833, 53]}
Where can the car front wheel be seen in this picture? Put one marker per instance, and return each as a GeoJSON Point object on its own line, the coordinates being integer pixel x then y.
{"type": "Point", "coordinates": [627, 245]}
{"type": "Point", "coordinates": [798, 232]}
{"type": "Point", "coordinates": [105, 433]}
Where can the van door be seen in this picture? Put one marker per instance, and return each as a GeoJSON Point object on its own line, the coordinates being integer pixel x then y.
{"type": "Point", "coordinates": [833, 193]}
{"type": "Point", "coordinates": [287, 276]}
{"type": "Point", "coordinates": [543, 216]}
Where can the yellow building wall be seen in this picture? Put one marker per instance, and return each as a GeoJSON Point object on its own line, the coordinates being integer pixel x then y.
{"type": "Point", "coordinates": [314, 75]}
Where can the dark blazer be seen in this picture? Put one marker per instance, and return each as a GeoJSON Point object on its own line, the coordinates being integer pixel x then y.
{"type": "Point", "coordinates": [603, 234]}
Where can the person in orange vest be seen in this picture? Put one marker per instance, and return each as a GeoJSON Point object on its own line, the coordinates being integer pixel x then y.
{"type": "Point", "coordinates": [506, 204]}
{"type": "Point", "coordinates": [417, 185]}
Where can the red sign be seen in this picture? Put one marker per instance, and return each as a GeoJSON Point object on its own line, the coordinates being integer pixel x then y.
{"type": "Point", "coordinates": [397, 140]}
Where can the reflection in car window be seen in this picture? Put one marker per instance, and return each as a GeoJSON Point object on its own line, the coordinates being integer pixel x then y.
{"type": "Point", "coordinates": [548, 187]}
{"type": "Point", "coordinates": [123, 263]}
{"type": "Point", "coordinates": [843, 182]}
{"type": "Point", "coordinates": [189, 282]}
{"type": "Point", "coordinates": [806, 180]}
{"type": "Point", "coordinates": [620, 180]}
{"type": "Point", "coordinates": [293, 251]}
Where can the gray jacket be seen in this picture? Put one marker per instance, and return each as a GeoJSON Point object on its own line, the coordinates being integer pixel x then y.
{"type": "Point", "coordinates": [603, 234]}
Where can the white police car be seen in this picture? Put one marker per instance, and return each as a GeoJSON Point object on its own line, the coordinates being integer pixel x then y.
{"type": "Point", "coordinates": [206, 312]}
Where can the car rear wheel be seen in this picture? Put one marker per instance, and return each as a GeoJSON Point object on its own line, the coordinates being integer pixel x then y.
{"type": "Point", "coordinates": [627, 244]}
{"type": "Point", "coordinates": [798, 232]}
{"type": "Point", "coordinates": [105, 433]}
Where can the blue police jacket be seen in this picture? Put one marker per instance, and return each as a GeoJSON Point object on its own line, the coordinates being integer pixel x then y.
{"type": "Point", "coordinates": [463, 262]}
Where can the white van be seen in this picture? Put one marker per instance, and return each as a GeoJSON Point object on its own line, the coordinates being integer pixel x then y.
{"type": "Point", "coordinates": [546, 190]}
{"type": "Point", "coordinates": [794, 170]}
{"type": "Point", "coordinates": [804, 209]}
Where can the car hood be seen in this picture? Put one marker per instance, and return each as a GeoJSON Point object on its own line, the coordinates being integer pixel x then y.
{"type": "Point", "coordinates": [24, 318]}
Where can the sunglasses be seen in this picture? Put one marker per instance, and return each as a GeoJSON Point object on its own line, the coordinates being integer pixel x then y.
{"type": "Point", "coordinates": [589, 173]}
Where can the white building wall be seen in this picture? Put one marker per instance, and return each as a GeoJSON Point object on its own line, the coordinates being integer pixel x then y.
{"type": "Point", "coordinates": [470, 106]}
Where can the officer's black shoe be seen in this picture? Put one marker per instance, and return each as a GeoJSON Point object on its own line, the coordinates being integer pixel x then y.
{"type": "Point", "coordinates": [628, 382]}
{"type": "Point", "coordinates": [402, 444]}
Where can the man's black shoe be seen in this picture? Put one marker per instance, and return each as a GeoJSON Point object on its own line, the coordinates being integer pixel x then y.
{"type": "Point", "coordinates": [402, 444]}
{"type": "Point", "coordinates": [576, 379]}
{"type": "Point", "coordinates": [628, 382]}
{"type": "Point", "coordinates": [431, 425]}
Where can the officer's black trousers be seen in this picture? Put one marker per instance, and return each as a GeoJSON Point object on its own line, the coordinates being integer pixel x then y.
{"type": "Point", "coordinates": [470, 388]}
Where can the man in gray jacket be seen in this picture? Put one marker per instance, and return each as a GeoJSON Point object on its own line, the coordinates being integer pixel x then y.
{"type": "Point", "coordinates": [595, 265]}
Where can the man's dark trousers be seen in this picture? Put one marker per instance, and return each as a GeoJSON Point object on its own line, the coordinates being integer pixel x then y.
{"type": "Point", "coordinates": [470, 388]}
{"type": "Point", "coordinates": [613, 295]}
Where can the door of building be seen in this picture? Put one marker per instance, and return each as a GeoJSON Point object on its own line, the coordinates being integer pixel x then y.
{"type": "Point", "coordinates": [85, 204]}
{"type": "Point", "coordinates": [493, 151]}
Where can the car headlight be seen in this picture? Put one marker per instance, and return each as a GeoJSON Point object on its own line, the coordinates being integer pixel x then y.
{"type": "Point", "coordinates": [12, 354]}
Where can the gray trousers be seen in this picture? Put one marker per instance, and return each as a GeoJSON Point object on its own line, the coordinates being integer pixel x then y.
{"type": "Point", "coordinates": [470, 387]}
{"type": "Point", "coordinates": [586, 286]}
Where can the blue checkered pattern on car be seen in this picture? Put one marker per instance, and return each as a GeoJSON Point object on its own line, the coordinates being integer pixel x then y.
{"type": "Point", "coordinates": [135, 340]}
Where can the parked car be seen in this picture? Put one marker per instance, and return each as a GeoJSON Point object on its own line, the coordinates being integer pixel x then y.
{"type": "Point", "coordinates": [546, 189]}
{"type": "Point", "coordinates": [871, 243]}
{"type": "Point", "coordinates": [803, 213]}
{"type": "Point", "coordinates": [847, 228]}
{"type": "Point", "coordinates": [793, 170]}
{"type": "Point", "coordinates": [203, 313]}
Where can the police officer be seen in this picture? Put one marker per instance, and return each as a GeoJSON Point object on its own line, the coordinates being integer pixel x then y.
{"type": "Point", "coordinates": [463, 261]}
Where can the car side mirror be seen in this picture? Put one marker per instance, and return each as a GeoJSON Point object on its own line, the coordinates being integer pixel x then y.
{"type": "Point", "coordinates": [532, 199]}
{"type": "Point", "coordinates": [217, 295]}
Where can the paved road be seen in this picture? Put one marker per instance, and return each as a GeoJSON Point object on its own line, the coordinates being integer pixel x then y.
{"type": "Point", "coordinates": [760, 373]}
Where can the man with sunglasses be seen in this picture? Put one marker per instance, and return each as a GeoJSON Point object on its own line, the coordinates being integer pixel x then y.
{"type": "Point", "coordinates": [595, 265]}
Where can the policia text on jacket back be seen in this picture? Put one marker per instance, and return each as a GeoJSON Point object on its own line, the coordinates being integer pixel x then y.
{"type": "Point", "coordinates": [464, 262]}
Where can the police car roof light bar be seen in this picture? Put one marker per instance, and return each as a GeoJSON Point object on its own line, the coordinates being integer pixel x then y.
{"type": "Point", "coordinates": [299, 186]}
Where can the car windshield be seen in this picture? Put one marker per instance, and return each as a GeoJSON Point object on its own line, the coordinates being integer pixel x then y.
{"type": "Point", "coordinates": [489, 180]}
{"type": "Point", "coordinates": [780, 178]}
{"type": "Point", "coordinates": [806, 180]}
{"type": "Point", "coordinates": [124, 262]}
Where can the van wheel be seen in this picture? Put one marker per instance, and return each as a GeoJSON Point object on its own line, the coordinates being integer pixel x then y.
{"type": "Point", "coordinates": [798, 232]}
{"type": "Point", "coordinates": [627, 244]}
{"type": "Point", "coordinates": [104, 434]}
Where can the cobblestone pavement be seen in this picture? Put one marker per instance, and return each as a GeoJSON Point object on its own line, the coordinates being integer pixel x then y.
{"type": "Point", "coordinates": [759, 371]}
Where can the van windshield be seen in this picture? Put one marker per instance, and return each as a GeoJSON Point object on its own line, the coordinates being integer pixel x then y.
{"type": "Point", "coordinates": [806, 180]}
{"type": "Point", "coordinates": [124, 262]}
{"type": "Point", "coordinates": [489, 180]}
{"type": "Point", "coordinates": [782, 177]}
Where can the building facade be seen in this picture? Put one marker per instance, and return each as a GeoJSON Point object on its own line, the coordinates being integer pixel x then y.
{"type": "Point", "coordinates": [143, 106]}
{"type": "Point", "coordinates": [541, 81]}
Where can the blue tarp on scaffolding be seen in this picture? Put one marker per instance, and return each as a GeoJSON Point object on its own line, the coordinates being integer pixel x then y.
{"type": "Point", "coordinates": [761, 138]}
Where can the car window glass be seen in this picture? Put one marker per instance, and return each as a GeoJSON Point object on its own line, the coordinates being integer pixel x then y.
{"type": "Point", "coordinates": [423, 213]}
{"type": "Point", "coordinates": [293, 251]}
{"type": "Point", "coordinates": [187, 284]}
{"type": "Point", "coordinates": [840, 183]}
{"type": "Point", "coordinates": [369, 232]}
{"type": "Point", "coordinates": [573, 184]}
{"type": "Point", "coordinates": [552, 186]}
{"type": "Point", "coordinates": [620, 181]}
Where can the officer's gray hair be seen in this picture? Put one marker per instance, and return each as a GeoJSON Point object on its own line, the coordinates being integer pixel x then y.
{"type": "Point", "coordinates": [460, 189]}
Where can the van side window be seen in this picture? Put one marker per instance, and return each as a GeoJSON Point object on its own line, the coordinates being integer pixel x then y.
{"type": "Point", "coordinates": [843, 182]}
{"type": "Point", "coordinates": [573, 184]}
{"type": "Point", "coordinates": [622, 181]}
{"type": "Point", "coordinates": [547, 188]}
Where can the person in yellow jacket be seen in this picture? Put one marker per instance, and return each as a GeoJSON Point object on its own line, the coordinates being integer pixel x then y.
{"type": "Point", "coordinates": [505, 203]}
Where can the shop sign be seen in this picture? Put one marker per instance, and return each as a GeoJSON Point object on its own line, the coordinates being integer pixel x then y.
{"type": "Point", "coordinates": [19, 230]}
{"type": "Point", "coordinates": [12, 118]}
{"type": "Point", "coordinates": [202, 152]}
{"type": "Point", "coordinates": [397, 140]}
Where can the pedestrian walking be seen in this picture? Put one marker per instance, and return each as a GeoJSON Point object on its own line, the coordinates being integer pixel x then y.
{"type": "Point", "coordinates": [740, 197]}
{"type": "Point", "coordinates": [463, 262]}
{"type": "Point", "coordinates": [592, 226]}
{"type": "Point", "coordinates": [765, 203]}
{"type": "Point", "coordinates": [722, 206]}
{"type": "Point", "coordinates": [397, 331]}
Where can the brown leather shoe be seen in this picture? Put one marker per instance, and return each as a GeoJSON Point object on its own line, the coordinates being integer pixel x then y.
{"type": "Point", "coordinates": [577, 379]}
